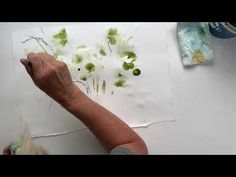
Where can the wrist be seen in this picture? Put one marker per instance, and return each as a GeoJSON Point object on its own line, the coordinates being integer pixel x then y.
{"type": "Point", "coordinates": [75, 95]}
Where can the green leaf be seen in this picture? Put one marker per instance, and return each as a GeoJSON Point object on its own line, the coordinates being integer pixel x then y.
{"type": "Point", "coordinates": [129, 54]}
{"type": "Point", "coordinates": [120, 83]}
{"type": "Point", "coordinates": [112, 40]}
{"type": "Point", "coordinates": [112, 31]}
{"type": "Point", "coordinates": [102, 52]}
{"type": "Point", "coordinates": [90, 67]}
{"type": "Point", "coordinates": [128, 66]}
{"type": "Point", "coordinates": [61, 37]}
{"type": "Point", "coordinates": [78, 59]}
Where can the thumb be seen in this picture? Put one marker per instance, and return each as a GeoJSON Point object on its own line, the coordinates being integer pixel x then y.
{"type": "Point", "coordinates": [27, 66]}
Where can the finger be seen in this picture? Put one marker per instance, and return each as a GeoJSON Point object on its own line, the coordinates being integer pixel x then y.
{"type": "Point", "coordinates": [27, 66]}
{"type": "Point", "coordinates": [31, 55]}
{"type": "Point", "coordinates": [7, 151]}
{"type": "Point", "coordinates": [46, 58]}
{"type": "Point", "coordinates": [35, 59]}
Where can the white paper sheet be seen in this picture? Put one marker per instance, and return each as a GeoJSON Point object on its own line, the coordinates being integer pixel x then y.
{"type": "Point", "coordinates": [145, 100]}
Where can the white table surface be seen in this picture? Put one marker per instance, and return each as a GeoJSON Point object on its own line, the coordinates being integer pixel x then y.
{"type": "Point", "coordinates": [204, 104]}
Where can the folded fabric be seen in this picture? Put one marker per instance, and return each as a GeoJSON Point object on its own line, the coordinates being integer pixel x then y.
{"type": "Point", "coordinates": [194, 43]}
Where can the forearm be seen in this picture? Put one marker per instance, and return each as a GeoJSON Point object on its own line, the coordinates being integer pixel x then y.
{"type": "Point", "coordinates": [106, 126]}
{"type": "Point", "coordinates": [53, 77]}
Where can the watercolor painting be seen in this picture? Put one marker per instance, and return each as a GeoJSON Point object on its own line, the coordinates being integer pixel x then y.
{"type": "Point", "coordinates": [122, 66]}
{"type": "Point", "coordinates": [90, 64]}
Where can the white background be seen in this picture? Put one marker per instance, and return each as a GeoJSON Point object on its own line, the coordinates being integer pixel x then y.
{"type": "Point", "coordinates": [204, 104]}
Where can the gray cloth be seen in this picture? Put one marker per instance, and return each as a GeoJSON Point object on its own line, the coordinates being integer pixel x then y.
{"type": "Point", "coordinates": [121, 151]}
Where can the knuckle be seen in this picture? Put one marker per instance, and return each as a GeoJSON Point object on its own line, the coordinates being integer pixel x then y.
{"type": "Point", "coordinates": [31, 56]}
{"type": "Point", "coordinates": [51, 57]}
{"type": "Point", "coordinates": [41, 53]}
{"type": "Point", "coordinates": [54, 70]}
{"type": "Point", "coordinates": [61, 65]}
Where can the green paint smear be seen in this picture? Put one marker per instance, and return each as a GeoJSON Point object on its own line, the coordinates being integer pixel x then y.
{"type": "Point", "coordinates": [102, 52]}
{"type": "Point", "coordinates": [56, 54]}
{"type": "Point", "coordinates": [111, 36]}
{"type": "Point", "coordinates": [112, 40]}
{"type": "Point", "coordinates": [93, 84]}
{"type": "Point", "coordinates": [83, 78]}
{"type": "Point", "coordinates": [104, 86]}
{"type": "Point", "coordinates": [95, 55]}
{"type": "Point", "coordinates": [82, 47]}
{"type": "Point", "coordinates": [128, 66]}
{"type": "Point", "coordinates": [78, 59]}
{"type": "Point", "coordinates": [112, 31]}
{"type": "Point", "coordinates": [136, 72]}
{"type": "Point", "coordinates": [129, 54]}
{"type": "Point", "coordinates": [97, 88]}
{"type": "Point", "coordinates": [120, 75]}
{"type": "Point", "coordinates": [129, 38]}
{"type": "Point", "coordinates": [120, 83]}
{"type": "Point", "coordinates": [90, 67]}
{"type": "Point", "coordinates": [61, 36]}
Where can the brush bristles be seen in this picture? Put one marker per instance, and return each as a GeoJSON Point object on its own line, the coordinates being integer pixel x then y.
{"type": "Point", "coordinates": [28, 147]}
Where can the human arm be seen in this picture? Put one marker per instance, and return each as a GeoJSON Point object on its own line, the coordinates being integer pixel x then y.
{"type": "Point", "coordinates": [53, 77]}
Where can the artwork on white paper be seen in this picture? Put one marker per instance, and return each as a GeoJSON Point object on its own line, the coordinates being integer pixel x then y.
{"type": "Point", "coordinates": [122, 66]}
